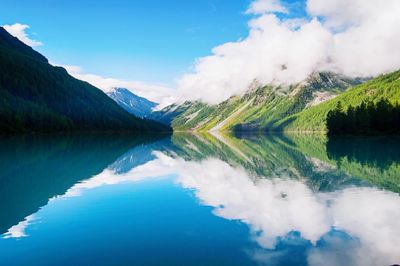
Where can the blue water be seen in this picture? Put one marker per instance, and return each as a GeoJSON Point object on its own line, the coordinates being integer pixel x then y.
{"type": "Point", "coordinates": [198, 200]}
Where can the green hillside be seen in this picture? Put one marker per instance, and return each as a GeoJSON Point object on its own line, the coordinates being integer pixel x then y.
{"type": "Point", "coordinates": [300, 107]}
{"type": "Point", "coordinates": [38, 97]}
{"type": "Point", "coordinates": [314, 118]}
{"type": "Point", "coordinates": [262, 106]}
{"type": "Point", "coordinates": [167, 114]}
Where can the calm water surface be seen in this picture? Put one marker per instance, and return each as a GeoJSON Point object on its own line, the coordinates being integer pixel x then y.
{"type": "Point", "coordinates": [199, 200]}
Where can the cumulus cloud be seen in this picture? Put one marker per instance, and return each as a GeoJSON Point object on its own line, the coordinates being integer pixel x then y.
{"type": "Point", "coordinates": [266, 6]}
{"type": "Point", "coordinates": [355, 38]}
{"type": "Point", "coordinates": [19, 30]}
{"type": "Point", "coordinates": [157, 93]}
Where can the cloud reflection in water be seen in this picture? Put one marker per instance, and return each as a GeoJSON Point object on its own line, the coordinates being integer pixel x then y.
{"type": "Point", "coordinates": [274, 208]}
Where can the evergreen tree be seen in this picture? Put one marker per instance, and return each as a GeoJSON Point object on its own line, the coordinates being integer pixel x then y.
{"type": "Point", "coordinates": [367, 118]}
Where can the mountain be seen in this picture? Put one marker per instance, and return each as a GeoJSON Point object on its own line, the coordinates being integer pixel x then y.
{"type": "Point", "coordinates": [133, 104]}
{"type": "Point", "coordinates": [38, 97]}
{"type": "Point", "coordinates": [314, 118]}
{"type": "Point", "coordinates": [167, 115]}
{"type": "Point", "coordinates": [262, 106]}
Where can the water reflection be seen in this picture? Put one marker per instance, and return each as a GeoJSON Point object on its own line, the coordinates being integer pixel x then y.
{"type": "Point", "coordinates": [373, 158]}
{"type": "Point", "coordinates": [34, 169]}
{"type": "Point", "coordinates": [304, 202]}
{"type": "Point", "coordinates": [275, 208]}
{"type": "Point", "coordinates": [283, 200]}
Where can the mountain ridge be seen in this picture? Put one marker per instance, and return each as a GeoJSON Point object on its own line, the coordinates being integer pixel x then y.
{"type": "Point", "coordinates": [38, 97]}
{"type": "Point", "coordinates": [132, 103]}
{"type": "Point", "coordinates": [261, 106]}
{"type": "Point", "coordinates": [385, 86]}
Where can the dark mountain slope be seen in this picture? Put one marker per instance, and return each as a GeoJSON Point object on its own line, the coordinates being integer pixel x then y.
{"type": "Point", "coordinates": [38, 97]}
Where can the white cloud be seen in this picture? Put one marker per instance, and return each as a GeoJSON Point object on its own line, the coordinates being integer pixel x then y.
{"type": "Point", "coordinates": [157, 93]}
{"type": "Point", "coordinates": [19, 30]}
{"type": "Point", "coordinates": [266, 6]}
{"type": "Point", "coordinates": [355, 38]}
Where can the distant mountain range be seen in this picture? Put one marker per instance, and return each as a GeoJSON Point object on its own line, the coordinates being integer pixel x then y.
{"type": "Point", "coordinates": [133, 104]}
{"type": "Point", "coordinates": [38, 97]}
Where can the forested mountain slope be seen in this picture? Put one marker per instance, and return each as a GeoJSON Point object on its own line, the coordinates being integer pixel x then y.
{"type": "Point", "coordinates": [262, 106]}
{"type": "Point", "coordinates": [38, 97]}
{"type": "Point", "coordinates": [314, 119]}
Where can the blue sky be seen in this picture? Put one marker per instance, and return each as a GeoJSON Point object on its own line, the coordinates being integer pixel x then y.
{"type": "Point", "coordinates": [121, 42]}
{"type": "Point", "coordinates": [152, 41]}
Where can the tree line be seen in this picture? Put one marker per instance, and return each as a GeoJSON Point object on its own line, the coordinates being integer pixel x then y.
{"type": "Point", "coordinates": [369, 117]}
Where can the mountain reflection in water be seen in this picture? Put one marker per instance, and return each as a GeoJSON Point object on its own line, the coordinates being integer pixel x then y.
{"type": "Point", "coordinates": [306, 200]}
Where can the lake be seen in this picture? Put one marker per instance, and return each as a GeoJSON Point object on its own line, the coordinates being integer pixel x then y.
{"type": "Point", "coordinates": [199, 200]}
